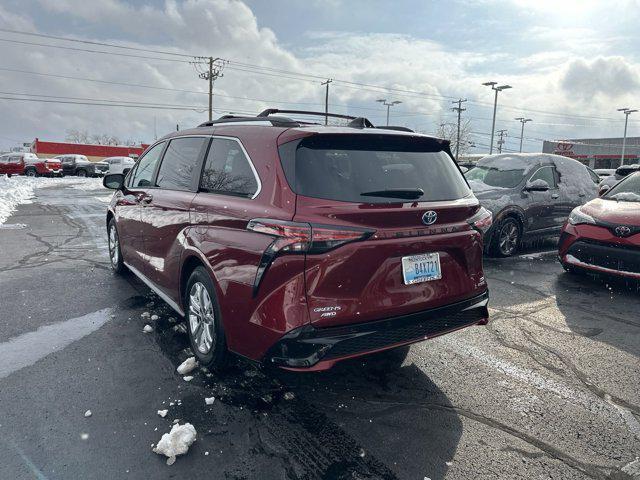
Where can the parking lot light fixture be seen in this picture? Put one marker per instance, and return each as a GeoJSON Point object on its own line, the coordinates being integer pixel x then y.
{"type": "Point", "coordinates": [495, 106]}
{"type": "Point", "coordinates": [627, 111]}
{"type": "Point", "coordinates": [523, 121]}
{"type": "Point", "coordinates": [384, 102]}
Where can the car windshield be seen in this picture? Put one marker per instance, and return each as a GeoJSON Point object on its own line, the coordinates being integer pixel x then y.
{"type": "Point", "coordinates": [496, 177]}
{"type": "Point", "coordinates": [627, 190]}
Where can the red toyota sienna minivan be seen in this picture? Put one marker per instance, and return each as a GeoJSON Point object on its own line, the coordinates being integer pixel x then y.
{"type": "Point", "coordinates": [300, 244]}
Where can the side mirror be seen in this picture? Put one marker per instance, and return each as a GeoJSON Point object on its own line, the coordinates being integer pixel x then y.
{"type": "Point", "coordinates": [538, 185]}
{"type": "Point", "coordinates": [113, 181]}
{"type": "Point", "coordinates": [603, 189]}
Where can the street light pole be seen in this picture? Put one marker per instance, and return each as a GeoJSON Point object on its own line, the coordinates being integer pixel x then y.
{"type": "Point", "coordinates": [458, 109]}
{"type": "Point", "coordinates": [495, 107]}
{"type": "Point", "coordinates": [627, 112]}
{"type": "Point", "coordinates": [326, 100]}
{"type": "Point", "coordinates": [523, 121]}
{"type": "Point", "coordinates": [383, 101]}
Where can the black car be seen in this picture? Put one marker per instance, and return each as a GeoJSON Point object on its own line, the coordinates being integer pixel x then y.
{"type": "Point", "coordinates": [81, 166]}
{"type": "Point", "coordinates": [620, 173]}
{"type": "Point", "coordinates": [530, 195]}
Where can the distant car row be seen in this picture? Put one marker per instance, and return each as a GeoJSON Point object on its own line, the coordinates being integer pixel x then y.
{"type": "Point", "coordinates": [25, 163]}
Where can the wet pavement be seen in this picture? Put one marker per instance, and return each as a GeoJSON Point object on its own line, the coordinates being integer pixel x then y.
{"type": "Point", "coordinates": [549, 389]}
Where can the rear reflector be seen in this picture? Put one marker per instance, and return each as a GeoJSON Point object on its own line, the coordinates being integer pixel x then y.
{"type": "Point", "coordinates": [298, 238]}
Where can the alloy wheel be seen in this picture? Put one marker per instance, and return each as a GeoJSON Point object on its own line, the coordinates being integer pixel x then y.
{"type": "Point", "coordinates": [114, 253]}
{"type": "Point", "coordinates": [508, 240]}
{"type": "Point", "coordinates": [201, 318]}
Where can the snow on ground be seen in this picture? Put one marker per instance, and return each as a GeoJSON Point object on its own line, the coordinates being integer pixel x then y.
{"type": "Point", "coordinates": [187, 366]}
{"type": "Point", "coordinates": [176, 442]}
{"type": "Point", "coordinates": [18, 190]}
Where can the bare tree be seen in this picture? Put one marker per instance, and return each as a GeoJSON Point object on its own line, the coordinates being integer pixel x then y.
{"type": "Point", "coordinates": [449, 131]}
{"type": "Point", "coordinates": [81, 136]}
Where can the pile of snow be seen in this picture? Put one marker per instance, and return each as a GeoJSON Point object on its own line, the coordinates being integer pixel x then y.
{"type": "Point", "coordinates": [176, 442]}
{"type": "Point", "coordinates": [147, 329]}
{"type": "Point", "coordinates": [209, 400]}
{"type": "Point", "coordinates": [14, 191]}
{"type": "Point", "coordinates": [163, 413]}
{"type": "Point", "coordinates": [187, 366]}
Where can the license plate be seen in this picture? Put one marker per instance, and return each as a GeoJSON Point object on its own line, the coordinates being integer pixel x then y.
{"type": "Point", "coordinates": [421, 268]}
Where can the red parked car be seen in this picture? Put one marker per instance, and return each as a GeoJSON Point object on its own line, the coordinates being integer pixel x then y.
{"type": "Point", "coordinates": [299, 244]}
{"type": "Point", "coordinates": [11, 164]}
{"type": "Point", "coordinates": [603, 236]}
{"type": "Point", "coordinates": [25, 163]}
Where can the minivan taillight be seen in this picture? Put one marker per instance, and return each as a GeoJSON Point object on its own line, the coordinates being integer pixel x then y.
{"type": "Point", "coordinates": [481, 220]}
{"type": "Point", "coordinates": [297, 238]}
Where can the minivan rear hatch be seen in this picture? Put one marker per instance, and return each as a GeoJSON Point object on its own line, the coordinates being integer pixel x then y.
{"type": "Point", "coordinates": [402, 207]}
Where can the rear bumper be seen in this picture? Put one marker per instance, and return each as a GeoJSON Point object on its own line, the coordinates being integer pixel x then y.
{"type": "Point", "coordinates": [310, 348]}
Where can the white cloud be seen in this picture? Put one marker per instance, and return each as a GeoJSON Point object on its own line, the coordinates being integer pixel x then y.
{"type": "Point", "coordinates": [229, 29]}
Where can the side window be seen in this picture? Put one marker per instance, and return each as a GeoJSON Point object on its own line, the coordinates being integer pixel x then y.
{"type": "Point", "coordinates": [594, 176]}
{"type": "Point", "coordinates": [547, 174]}
{"type": "Point", "coordinates": [179, 163]}
{"type": "Point", "coordinates": [227, 170]}
{"type": "Point", "coordinates": [147, 165]}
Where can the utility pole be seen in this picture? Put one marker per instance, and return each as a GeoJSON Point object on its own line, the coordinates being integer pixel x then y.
{"type": "Point", "coordinates": [214, 67]}
{"type": "Point", "coordinates": [523, 121]}
{"type": "Point", "coordinates": [458, 109]}
{"type": "Point", "coordinates": [495, 107]}
{"type": "Point", "coordinates": [326, 100]}
{"type": "Point", "coordinates": [501, 141]}
{"type": "Point", "coordinates": [383, 101]}
{"type": "Point", "coordinates": [627, 112]}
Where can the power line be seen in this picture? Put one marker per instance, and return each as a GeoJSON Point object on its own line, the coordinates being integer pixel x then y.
{"type": "Point", "coordinates": [90, 42]}
{"type": "Point", "coordinates": [21, 42]}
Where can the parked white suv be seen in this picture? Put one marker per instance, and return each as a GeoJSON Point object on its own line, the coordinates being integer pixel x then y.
{"type": "Point", "coordinates": [120, 164]}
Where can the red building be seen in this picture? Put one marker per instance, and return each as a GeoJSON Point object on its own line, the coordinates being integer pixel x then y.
{"type": "Point", "coordinates": [92, 152]}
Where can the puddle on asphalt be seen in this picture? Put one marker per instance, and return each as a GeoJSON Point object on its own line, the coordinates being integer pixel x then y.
{"type": "Point", "coordinates": [12, 226]}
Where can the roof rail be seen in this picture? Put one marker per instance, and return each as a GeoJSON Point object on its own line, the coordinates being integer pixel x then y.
{"type": "Point", "coordinates": [270, 111]}
{"type": "Point", "coordinates": [275, 121]}
{"type": "Point", "coordinates": [396, 127]}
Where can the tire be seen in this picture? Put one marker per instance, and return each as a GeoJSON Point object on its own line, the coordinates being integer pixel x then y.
{"type": "Point", "coordinates": [115, 253]}
{"type": "Point", "coordinates": [204, 322]}
{"type": "Point", "coordinates": [506, 238]}
{"type": "Point", "coordinates": [81, 173]}
{"type": "Point", "coordinates": [31, 172]}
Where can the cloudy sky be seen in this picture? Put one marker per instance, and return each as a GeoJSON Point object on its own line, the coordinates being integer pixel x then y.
{"type": "Point", "coordinates": [571, 63]}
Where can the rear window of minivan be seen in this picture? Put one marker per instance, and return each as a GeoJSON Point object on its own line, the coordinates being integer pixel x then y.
{"type": "Point", "coordinates": [343, 167]}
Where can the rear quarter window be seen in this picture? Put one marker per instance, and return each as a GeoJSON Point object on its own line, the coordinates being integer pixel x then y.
{"type": "Point", "coordinates": [344, 167]}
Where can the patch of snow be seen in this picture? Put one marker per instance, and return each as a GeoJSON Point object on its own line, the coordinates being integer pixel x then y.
{"type": "Point", "coordinates": [15, 191]}
{"type": "Point", "coordinates": [187, 366]}
{"type": "Point", "coordinates": [154, 317]}
{"type": "Point", "coordinates": [289, 396]}
{"type": "Point", "coordinates": [84, 436]}
{"type": "Point", "coordinates": [209, 400]}
{"type": "Point", "coordinates": [163, 413]}
{"type": "Point", "coordinates": [187, 378]}
{"type": "Point", "coordinates": [145, 314]}
{"type": "Point", "coordinates": [85, 184]}
{"type": "Point", "coordinates": [626, 197]}
{"type": "Point", "coordinates": [147, 329]}
{"type": "Point", "coordinates": [87, 413]}
{"type": "Point", "coordinates": [176, 442]}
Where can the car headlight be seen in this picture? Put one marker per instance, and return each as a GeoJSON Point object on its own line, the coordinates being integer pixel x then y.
{"type": "Point", "coordinates": [578, 217]}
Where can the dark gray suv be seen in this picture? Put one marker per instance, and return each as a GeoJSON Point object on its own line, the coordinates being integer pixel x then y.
{"type": "Point", "coordinates": [530, 195]}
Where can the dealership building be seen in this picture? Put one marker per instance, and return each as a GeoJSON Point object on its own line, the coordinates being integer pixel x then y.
{"type": "Point", "coordinates": [92, 152]}
{"type": "Point", "coordinates": [596, 152]}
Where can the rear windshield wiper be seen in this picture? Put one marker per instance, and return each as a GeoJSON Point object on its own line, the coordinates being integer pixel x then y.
{"type": "Point", "coordinates": [407, 193]}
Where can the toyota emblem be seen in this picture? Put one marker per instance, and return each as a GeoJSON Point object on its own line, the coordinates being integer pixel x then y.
{"type": "Point", "coordinates": [429, 218]}
{"type": "Point", "coordinates": [623, 231]}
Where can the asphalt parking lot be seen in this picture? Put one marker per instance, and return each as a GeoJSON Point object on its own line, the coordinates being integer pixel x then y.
{"type": "Point", "coordinates": [549, 389]}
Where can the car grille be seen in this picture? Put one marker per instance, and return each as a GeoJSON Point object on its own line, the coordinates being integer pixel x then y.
{"type": "Point", "coordinates": [621, 258]}
{"type": "Point", "coordinates": [407, 332]}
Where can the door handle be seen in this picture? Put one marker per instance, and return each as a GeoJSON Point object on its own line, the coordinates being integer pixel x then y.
{"type": "Point", "coordinates": [555, 195]}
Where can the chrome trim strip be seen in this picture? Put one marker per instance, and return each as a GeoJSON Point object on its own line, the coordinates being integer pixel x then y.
{"type": "Point", "coordinates": [235, 139]}
{"type": "Point", "coordinates": [156, 289]}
